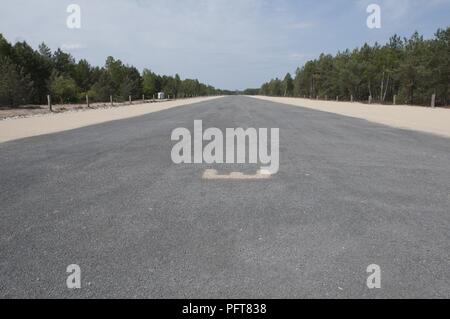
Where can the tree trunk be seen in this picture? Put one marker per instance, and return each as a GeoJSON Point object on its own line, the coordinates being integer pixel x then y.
{"type": "Point", "coordinates": [387, 86]}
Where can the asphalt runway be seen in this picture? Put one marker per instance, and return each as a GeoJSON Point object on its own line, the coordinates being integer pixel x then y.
{"type": "Point", "coordinates": [108, 198]}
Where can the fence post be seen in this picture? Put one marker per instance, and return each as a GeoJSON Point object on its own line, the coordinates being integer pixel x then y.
{"type": "Point", "coordinates": [337, 98]}
{"type": "Point", "coordinates": [433, 100]}
{"type": "Point", "coordinates": [351, 98]}
{"type": "Point", "coordinates": [111, 100]}
{"type": "Point", "coordinates": [153, 98]}
{"type": "Point", "coordinates": [49, 101]}
{"type": "Point", "coordinates": [87, 100]}
{"type": "Point", "coordinates": [395, 100]}
{"type": "Point", "coordinates": [370, 99]}
{"type": "Point", "coordinates": [130, 99]}
{"type": "Point", "coordinates": [143, 98]}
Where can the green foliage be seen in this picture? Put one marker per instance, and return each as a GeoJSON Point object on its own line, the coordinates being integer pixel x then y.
{"type": "Point", "coordinates": [34, 65]}
{"type": "Point", "coordinates": [412, 69]}
{"type": "Point", "coordinates": [151, 83]}
{"type": "Point", "coordinates": [103, 86]}
{"type": "Point", "coordinates": [82, 74]}
{"type": "Point", "coordinates": [16, 88]}
{"type": "Point", "coordinates": [28, 75]}
{"type": "Point", "coordinates": [174, 86]}
{"type": "Point", "coordinates": [251, 92]}
{"type": "Point", "coordinates": [273, 88]}
{"type": "Point", "coordinates": [63, 88]}
{"type": "Point", "coordinates": [288, 85]}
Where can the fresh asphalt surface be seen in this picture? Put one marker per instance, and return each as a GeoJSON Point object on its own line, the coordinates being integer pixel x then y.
{"type": "Point", "coordinates": [108, 198]}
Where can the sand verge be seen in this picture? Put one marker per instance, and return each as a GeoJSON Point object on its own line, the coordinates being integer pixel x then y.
{"type": "Point", "coordinates": [423, 119]}
{"type": "Point", "coordinates": [13, 129]}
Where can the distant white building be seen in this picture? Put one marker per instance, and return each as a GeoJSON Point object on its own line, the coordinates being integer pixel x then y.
{"type": "Point", "coordinates": [161, 96]}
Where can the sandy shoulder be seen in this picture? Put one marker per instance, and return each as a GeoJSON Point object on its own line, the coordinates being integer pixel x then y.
{"type": "Point", "coordinates": [429, 120]}
{"type": "Point", "coordinates": [13, 129]}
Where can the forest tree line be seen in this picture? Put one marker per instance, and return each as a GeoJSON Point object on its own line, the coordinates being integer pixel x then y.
{"type": "Point", "coordinates": [27, 76]}
{"type": "Point", "coordinates": [411, 69]}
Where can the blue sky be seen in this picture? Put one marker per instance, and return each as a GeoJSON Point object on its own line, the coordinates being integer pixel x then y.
{"type": "Point", "coordinates": [231, 44]}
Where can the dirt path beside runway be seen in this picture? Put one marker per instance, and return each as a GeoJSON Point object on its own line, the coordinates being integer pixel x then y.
{"type": "Point", "coordinates": [423, 119]}
{"type": "Point", "coordinates": [17, 128]}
